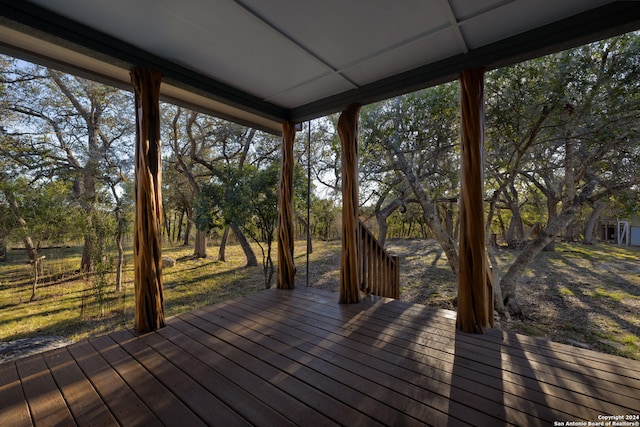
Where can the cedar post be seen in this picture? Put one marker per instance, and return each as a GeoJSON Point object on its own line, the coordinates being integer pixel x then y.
{"type": "Point", "coordinates": [475, 307]}
{"type": "Point", "coordinates": [286, 268]}
{"type": "Point", "coordinates": [147, 239]}
{"type": "Point", "coordinates": [349, 271]}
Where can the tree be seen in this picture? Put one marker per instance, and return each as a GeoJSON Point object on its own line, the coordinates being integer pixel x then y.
{"type": "Point", "coordinates": [573, 117]}
{"type": "Point", "coordinates": [183, 143]}
{"type": "Point", "coordinates": [415, 137]}
{"type": "Point", "coordinates": [323, 218]}
{"type": "Point", "coordinates": [124, 213]}
{"type": "Point", "coordinates": [207, 150]}
{"type": "Point", "coordinates": [42, 212]}
{"type": "Point", "coordinates": [262, 207]}
{"type": "Point", "coordinates": [70, 128]}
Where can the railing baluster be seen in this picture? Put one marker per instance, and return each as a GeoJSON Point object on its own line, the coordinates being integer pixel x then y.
{"type": "Point", "coordinates": [379, 271]}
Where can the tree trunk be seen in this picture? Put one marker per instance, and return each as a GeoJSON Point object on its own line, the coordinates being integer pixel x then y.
{"type": "Point", "coordinates": [509, 282]}
{"type": "Point", "coordinates": [448, 221]}
{"type": "Point", "coordinates": [86, 264]}
{"type": "Point", "coordinates": [501, 225]}
{"type": "Point", "coordinates": [432, 220]}
{"type": "Point", "coordinates": [307, 231]}
{"type": "Point", "coordinates": [569, 232]}
{"type": "Point", "coordinates": [200, 245]}
{"type": "Point", "coordinates": [179, 226]}
{"type": "Point", "coordinates": [456, 229]}
{"type": "Point", "coordinates": [498, 300]}
{"type": "Point", "coordinates": [32, 250]}
{"type": "Point", "coordinates": [120, 261]}
{"type": "Point", "coordinates": [382, 215]}
{"type": "Point", "coordinates": [85, 185]}
{"type": "Point", "coordinates": [383, 227]}
{"type": "Point", "coordinates": [252, 261]}
{"type": "Point", "coordinates": [515, 232]}
{"type": "Point", "coordinates": [187, 232]}
{"type": "Point", "coordinates": [429, 212]}
{"type": "Point", "coordinates": [167, 226]}
{"type": "Point", "coordinates": [591, 223]}
{"type": "Point", "coordinates": [268, 266]}
{"type": "Point", "coordinates": [446, 241]}
{"type": "Point", "coordinates": [223, 245]}
{"type": "Point", "coordinates": [36, 264]}
{"type": "Point", "coordinates": [552, 208]}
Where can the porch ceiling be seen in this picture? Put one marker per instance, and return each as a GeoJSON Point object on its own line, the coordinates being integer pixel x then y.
{"type": "Point", "coordinates": [260, 63]}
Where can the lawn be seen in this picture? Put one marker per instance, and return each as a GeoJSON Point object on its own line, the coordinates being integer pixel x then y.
{"type": "Point", "coordinates": [66, 302]}
{"type": "Point", "coordinates": [587, 296]}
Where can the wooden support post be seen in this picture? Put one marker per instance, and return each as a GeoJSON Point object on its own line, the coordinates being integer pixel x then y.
{"type": "Point", "coordinates": [475, 307]}
{"type": "Point", "coordinates": [147, 239]}
{"type": "Point", "coordinates": [349, 277]}
{"type": "Point", "coordinates": [286, 268]}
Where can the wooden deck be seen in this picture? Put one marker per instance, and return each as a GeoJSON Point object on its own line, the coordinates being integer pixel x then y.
{"type": "Point", "coordinates": [297, 357]}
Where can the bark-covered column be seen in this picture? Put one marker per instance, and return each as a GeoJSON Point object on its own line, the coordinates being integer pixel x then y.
{"type": "Point", "coordinates": [286, 268]}
{"type": "Point", "coordinates": [475, 308]}
{"type": "Point", "coordinates": [147, 239]}
{"type": "Point", "coordinates": [348, 131]}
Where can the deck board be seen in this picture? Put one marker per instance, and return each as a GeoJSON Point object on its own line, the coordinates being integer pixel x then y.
{"type": "Point", "coordinates": [569, 373]}
{"type": "Point", "coordinates": [119, 399]}
{"type": "Point", "coordinates": [163, 402]}
{"type": "Point", "coordinates": [84, 402]}
{"type": "Point", "coordinates": [46, 403]}
{"type": "Point", "coordinates": [300, 358]}
{"type": "Point", "coordinates": [392, 359]}
{"type": "Point", "coordinates": [195, 396]}
{"type": "Point", "coordinates": [357, 359]}
{"type": "Point", "coordinates": [233, 394]}
{"type": "Point", "coordinates": [15, 409]}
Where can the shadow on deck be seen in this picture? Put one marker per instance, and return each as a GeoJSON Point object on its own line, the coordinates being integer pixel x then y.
{"type": "Point", "coordinates": [298, 357]}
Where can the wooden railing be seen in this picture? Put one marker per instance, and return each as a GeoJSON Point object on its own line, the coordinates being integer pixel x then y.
{"type": "Point", "coordinates": [379, 271]}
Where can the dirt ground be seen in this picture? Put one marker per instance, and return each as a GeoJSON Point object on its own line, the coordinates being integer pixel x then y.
{"type": "Point", "coordinates": [586, 296]}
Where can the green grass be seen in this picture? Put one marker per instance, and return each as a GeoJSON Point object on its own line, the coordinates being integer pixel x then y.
{"type": "Point", "coordinates": [566, 291]}
{"type": "Point", "coordinates": [612, 294]}
{"type": "Point", "coordinates": [531, 329]}
{"type": "Point", "coordinates": [595, 291]}
{"type": "Point", "coordinates": [65, 302]}
{"type": "Point", "coordinates": [589, 294]}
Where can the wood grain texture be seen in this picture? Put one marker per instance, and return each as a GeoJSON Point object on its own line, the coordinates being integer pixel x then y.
{"type": "Point", "coordinates": [147, 240]}
{"type": "Point", "coordinates": [349, 266]}
{"type": "Point", "coordinates": [286, 268]}
{"type": "Point", "coordinates": [379, 271]}
{"type": "Point", "coordinates": [475, 307]}
{"type": "Point", "coordinates": [297, 357]}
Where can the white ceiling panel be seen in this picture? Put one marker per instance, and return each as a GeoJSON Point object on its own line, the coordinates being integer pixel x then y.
{"type": "Point", "coordinates": [466, 9]}
{"type": "Point", "coordinates": [519, 16]}
{"type": "Point", "coordinates": [434, 47]}
{"type": "Point", "coordinates": [345, 32]}
{"type": "Point", "coordinates": [298, 59]}
{"type": "Point", "coordinates": [213, 37]}
{"type": "Point", "coordinates": [327, 85]}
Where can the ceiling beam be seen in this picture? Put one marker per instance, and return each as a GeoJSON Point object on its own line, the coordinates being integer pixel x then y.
{"type": "Point", "coordinates": [455, 26]}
